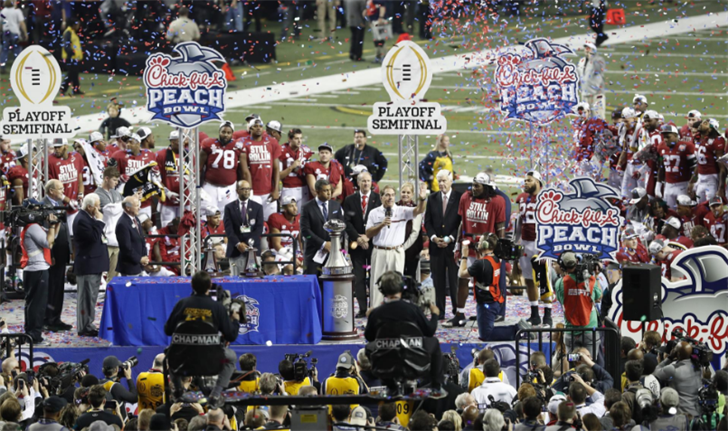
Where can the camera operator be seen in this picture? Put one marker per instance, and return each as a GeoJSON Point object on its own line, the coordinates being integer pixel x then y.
{"type": "Point", "coordinates": [486, 272]}
{"type": "Point", "coordinates": [393, 310]}
{"type": "Point", "coordinates": [114, 370]}
{"type": "Point", "coordinates": [668, 417]}
{"type": "Point", "coordinates": [200, 306]}
{"type": "Point", "coordinates": [584, 365]}
{"type": "Point", "coordinates": [578, 294]}
{"type": "Point", "coordinates": [681, 374]}
{"type": "Point", "coordinates": [150, 385]}
{"type": "Point", "coordinates": [36, 243]}
{"type": "Point", "coordinates": [292, 384]}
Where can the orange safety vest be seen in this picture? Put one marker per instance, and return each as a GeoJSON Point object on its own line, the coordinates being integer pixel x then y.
{"type": "Point", "coordinates": [24, 259]}
{"type": "Point", "coordinates": [494, 287]}
{"type": "Point", "coordinates": [578, 300]}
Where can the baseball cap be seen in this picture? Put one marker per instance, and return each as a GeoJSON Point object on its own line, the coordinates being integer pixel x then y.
{"type": "Point", "coordinates": [639, 98]}
{"type": "Point", "coordinates": [22, 152]}
{"type": "Point", "coordinates": [100, 426]}
{"type": "Point", "coordinates": [669, 128]}
{"type": "Point", "coordinates": [694, 114]}
{"type": "Point", "coordinates": [54, 404]}
{"type": "Point", "coordinates": [226, 124]}
{"type": "Point", "coordinates": [143, 217]}
{"type": "Point", "coordinates": [251, 116]}
{"type": "Point", "coordinates": [356, 170]}
{"type": "Point", "coordinates": [135, 137]}
{"type": "Point", "coordinates": [209, 211]}
{"type": "Point", "coordinates": [714, 124]}
{"type": "Point", "coordinates": [174, 134]}
{"type": "Point", "coordinates": [629, 113]}
{"type": "Point", "coordinates": [536, 175]}
{"type": "Point", "coordinates": [285, 200]}
{"type": "Point", "coordinates": [715, 200]}
{"type": "Point", "coordinates": [144, 132]}
{"type": "Point", "coordinates": [630, 233]}
{"type": "Point", "coordinates": [255, 121]}
{"type": "Point", "coordinates": [685, 200]}
{"type": "Point", "coordinates": [674, 222]}
{"type": "Point", "coordinates": [591, 45]}
{"type": "Point", "coordinates": [326, 146]}
{"type": "Point", "coordinates": [656, 246]}
{"type": "Point", "coordinates": [358, 416]}
{"type": "Point", "coordinates": [274, 125]}
{"type": "Point", "coordinates": [651, 114]}
{"type": "Point", "coordinates": [95, 137]}
{"type": "Point", "coordinates": [345, 361]}
{"type": "Point", "coordinates": [484, 179]}
{"type": "Point", "coordinates": [669, 397]}
{"type": "Point", "coordinates": [581, 105]}
{"type": "Point", "coordinates": [121, 132]}
{"type": "Point", "coordinates": [569, 259]}
{"type": "Point", "coordinates": [59, 142]}
{"type": "Point", "coordinates": [637, 194]}
{"type": "Point", "coordinates": [112, 361]}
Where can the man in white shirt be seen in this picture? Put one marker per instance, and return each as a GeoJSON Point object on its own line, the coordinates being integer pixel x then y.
{"type": "Point", "coordinates": [183, 29]}
{"type": "Point", "coordinates": [493, 386]}
{"type": "Point", "coordinates": [386, 227]}
{"type": "Point", "coordinates": [580, 391]}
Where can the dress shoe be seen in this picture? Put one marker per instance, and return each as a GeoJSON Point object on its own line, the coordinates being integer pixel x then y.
{"type": "Point", "coordinates": [56, 327]}
{"type": "Point", "coordinates": [89, 333]}
{"type": "Point", "coordinates": [361, 315]}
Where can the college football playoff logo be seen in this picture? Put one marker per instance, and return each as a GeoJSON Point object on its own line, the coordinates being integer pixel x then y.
{"type": "Point", "coordinates": [406, 73]}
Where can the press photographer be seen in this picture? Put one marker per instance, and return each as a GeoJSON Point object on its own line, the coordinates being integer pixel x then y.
{"type": "Point", "coordinates": [581, 362]}
{"type": "Point", "coordinates": [191, 319]}
{"type": "Point", "coordinates": [114, 370]}
{"type": "Point", "coordinates": [296, 373]}
{"type": "Point", "coordinates": [682, 373]}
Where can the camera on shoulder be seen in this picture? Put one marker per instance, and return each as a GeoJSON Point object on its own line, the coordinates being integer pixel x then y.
{"type": "Point", "coordinates": [232, 305]}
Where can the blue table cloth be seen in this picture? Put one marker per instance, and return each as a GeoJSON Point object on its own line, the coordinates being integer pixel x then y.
{"type": "Point", "coordinates": [282, 310]}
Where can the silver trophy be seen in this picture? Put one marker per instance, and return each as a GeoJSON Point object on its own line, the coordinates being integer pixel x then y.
{"type": "Point", "coordinates": [336, 264]}
{"type": "Point", "coordinates": [252, 266]}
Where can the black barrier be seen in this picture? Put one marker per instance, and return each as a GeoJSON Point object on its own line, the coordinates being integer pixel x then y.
{"type": "Point", "coordinates": [610, 339]}
{"type": "Point", "coordinates": [6, 340]}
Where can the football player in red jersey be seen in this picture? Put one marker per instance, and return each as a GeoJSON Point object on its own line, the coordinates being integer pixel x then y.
{"type": "Point", "coordinates": [716, 220]}
{"type": "Point", "coordinates": [67, 168]}
{"type": "Point", "coordinates": [259, 160]}
{"type": "Point", "coordinates": [616, 173]}
{"type": "Point", "coordinates": [7, 155]}
{"type": "Point", "coordinates": [168, 163]}
{"type": "Point", "coordinates": [686, 131]}
{"type": "Point", "coordinates": [652, 122]}
{"type": "Point", "coordinates": [326, 168]}
{"type": "Point", "coordinates": [119, 140]}
{"type": "Point", "coordinates": [18, 176]}
{"type": "Point", "coordinates": [482, 211]}
{"type": "Point", "coordinates": [526, 230]}
{"type": "Point", "coordinates": [286, 222]}
{"type": "Point", "coordinates": [222, 161]}
{"type": "Point", "coordinates": [131, 160]}
{"type": "Point", "coordinates": [147, 138]}
{"type": "Point", "coordinates": [672, 231]}
{"type": "Point", "coordinates": [212, 226]}
{"type": "Point", "coordinates": [89, 183]}
{"type": "Point", "coordinates": [677, 162]}
{"type": "Point", "coordinates": [96, 139]}
{"type": "Point", "coordinates": [632, 250]}
{"type": "Point", "coordinates": [294, 156]}
{"type": "Point", "coordinates": [691, 213]}
{"type": "Point", "coordinates": [587, 133]}
{"type": "Point", "coordinates": [709, 179]}
{"type": "Point", "coordinates": [664, 255]}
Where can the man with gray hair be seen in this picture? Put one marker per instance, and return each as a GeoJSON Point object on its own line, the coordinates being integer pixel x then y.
{"type": "Point", "coordinates": [132, 247]}
{"type": "Point", "coordinates": [591, 71]}
{"type": "Point", "coordinates": [464, 400]}
{"type": "Point", "coordinates": [92, 259]}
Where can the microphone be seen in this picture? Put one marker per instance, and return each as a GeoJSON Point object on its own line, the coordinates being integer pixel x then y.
{"type": "Point", "coordinates": [388, 213]}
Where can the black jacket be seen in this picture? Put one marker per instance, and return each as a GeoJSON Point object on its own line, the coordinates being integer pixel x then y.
{"type": "Point", "coordinates": [92, 255]}
{"type": "Point", "coordinates": [442, 226]}
{"type": "Point", "coordinates": [189, 309]}
{"type": "Point", "coordinates": [370, 157]}
{"type": "Point", "coordinates": [399, 311]}
{"type": "Point", "coordinates": [603, 381]}
{"type": "Point", "coordinates": [312, 227]}
{"type": "Point", "coordinates": [132, 246]}
{"type": "Point", "coordinates": [356, 221]}
{"type": "Point", "coordinates": [233, 221]}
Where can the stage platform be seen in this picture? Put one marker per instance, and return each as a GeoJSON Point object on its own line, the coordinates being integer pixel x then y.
{"type": "Point", "coordinates": [68, 346]}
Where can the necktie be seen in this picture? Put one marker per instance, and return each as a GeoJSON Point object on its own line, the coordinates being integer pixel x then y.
{"type": "Point", "coordinates": [444, 204]}
{"type": "Point", "coordinates": [244, 212]}
{"type": "Point", "coordinates": [326, 213]}
{"type": "Point", "coordinates": [364, 204]}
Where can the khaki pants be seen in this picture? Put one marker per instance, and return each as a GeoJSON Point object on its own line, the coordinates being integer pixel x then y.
{"type": "Point", "coordinates": [113, 260]}
{"type": "Point", "coordinates": [383, 261]}
{"type": "Point", "coordinates": [322, 8]}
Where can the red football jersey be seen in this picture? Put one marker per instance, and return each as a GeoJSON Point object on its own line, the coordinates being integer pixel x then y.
{"type": "Point", "coordinates": [333, 173]}
{"type": "Point", "coordinates": [240, 134]}
{"type": "Point", "coordinates": [705, 149]}
{"type": "Point", "coordinates": [128, 163]}
{"type": "Point", "coordinates": [527, 214]}
{"type": "Point", "coordinates": [677, 160]}
{"type": "Point", "coordinates": [7, 160]}
{"type": "Point", "coordinates": [480, 216]}
{"type": "Point", "coordinates": [638, 255]}
{"type": "Point", "coordinates": [686, 134]}
{"type": "Point", "coordinates": [66, 171]}
{"type": "Point", "coordinates": [222, 162]}
{"type": "Point", "coordinates": [666, 271]}
{"type": "Point", "coordinates": [688, 223]}
{"type": "Point", "coordinates": [169, 171]}
{"type": "Point", "coordinates": [296, 178]}
{"type": "Point", "coordinates": [279, 221]}
{"type": "Point", "coordinates": [586, 132]}
{"type": "Point", "coordinates": [16, 172]}
{"type": "Point", "coordinates": [716, 226]}
{"type": "Point", "coordinates": [209, 230]}
{"type": "Point", "coordinates": [261, 156]}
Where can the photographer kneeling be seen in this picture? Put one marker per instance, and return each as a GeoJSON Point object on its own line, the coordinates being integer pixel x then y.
{"type": "Point", "coordinates": [490, 300]}
{"type": "Point", "coordinates": [394, 310]}
{"type": "Point", "coordinates": [202, 309]}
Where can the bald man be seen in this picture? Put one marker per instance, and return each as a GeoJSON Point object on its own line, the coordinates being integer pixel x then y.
{"type": "Point", "coordinates": [683, 376]}
{"type": "Point", "coordinates": [132, 247]}
{"type": "Point", "coordinates": [150, 385]}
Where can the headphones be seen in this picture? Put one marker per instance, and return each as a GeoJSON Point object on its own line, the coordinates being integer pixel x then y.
{"type": "Point", "coordinates": [399, 288]}
{"type": "Point", "coordinates": [561, 263]}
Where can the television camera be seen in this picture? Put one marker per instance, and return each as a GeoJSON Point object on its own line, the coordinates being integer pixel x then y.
{"type": "Point", "coordinates": [301, 368]}
{"type": "Point", "coordinates": [231, 304]}
{"type": "Point", "coordinates": [57, 378]}
{"type": "Point", "coordinates": [702, 355]}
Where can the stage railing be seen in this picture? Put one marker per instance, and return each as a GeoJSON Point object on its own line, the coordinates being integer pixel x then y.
{"type": "Point", "coordinates": [6, 340]}
{"type": "Point", "coordinates": [609, 337]}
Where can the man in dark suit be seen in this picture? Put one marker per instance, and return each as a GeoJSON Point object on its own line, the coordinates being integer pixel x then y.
{"type": "Point", "coordinates": [132, 247]}
{"type": "Point", "coordinates": [314, 214]}
{"type": "Point", "coordinates": [356, 210]}
{"type": "Point", "coordinates": [243, 221]}
{"type": "Point", "coordinates": [92, 259]}
{"type": "Point", "coordinates": [442, 222]}
{"type": "Point", "coordinates": [61, 254]}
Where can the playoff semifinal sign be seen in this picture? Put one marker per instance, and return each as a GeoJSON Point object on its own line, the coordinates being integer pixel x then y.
{"type": "Point", "coordinates": [406, 76]}
{"type": "Point", "coordinates": [35, 78]}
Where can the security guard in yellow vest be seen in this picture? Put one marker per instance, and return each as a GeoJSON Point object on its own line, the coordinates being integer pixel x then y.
{"type": "Point", "coordinates": [290, 383]}
{"type": "Point", "coordinates": [345, 381]}
{"type": "Point", "coordinates": [111, 383]}
{"type": "Point", "coordinates": [250, 381]}
{"type": "Point", "coordinates": [72, 55]}
{"type": "Point", "coordinates": [150, 385]}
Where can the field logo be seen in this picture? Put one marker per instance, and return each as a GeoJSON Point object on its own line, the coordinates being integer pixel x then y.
{"type": "Point", "coordinates": [539, 86]}
{"type": "Point", "coordinates": [406, 75]}
{"type": "Point", "coordinates": [186, 90]}
{"type": "Point", "coordinates": [582, 221]}
{"type": "Point", "coordinates": [35, 78]}
{"type": "Point", "coordinates": [252, 313]}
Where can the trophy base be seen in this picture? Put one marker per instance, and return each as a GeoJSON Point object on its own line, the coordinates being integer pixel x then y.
{"type": "Point", "coordinates": [337, 336]}
{"type": "Point", "coordinates": [346, 270]}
